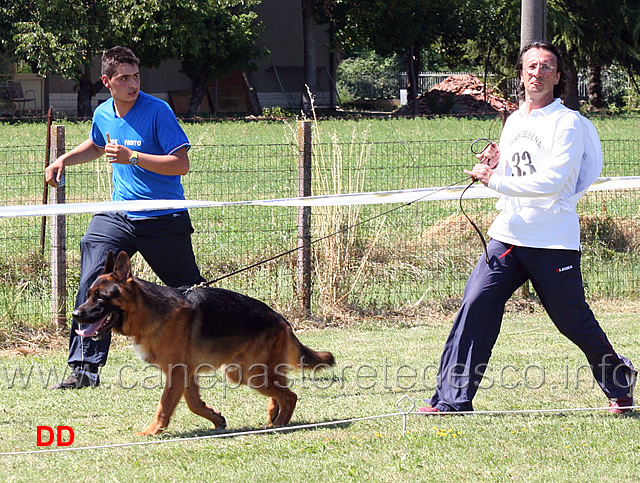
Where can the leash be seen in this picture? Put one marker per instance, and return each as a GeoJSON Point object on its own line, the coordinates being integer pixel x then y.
{"type": "Point", "coordinates": [484, 160]}
{"type": "Point", "coordinates": [474, 150]}
{"type": "Point", "coordinates": [316, 240]}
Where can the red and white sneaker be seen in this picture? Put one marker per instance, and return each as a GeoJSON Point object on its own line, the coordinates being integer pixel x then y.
{"type": "Point", "coordinates": [428, 409]}
{"type": "Point", "coordinates": [623, 404]}
{"type": "Point", "coordinates": [620, 405]}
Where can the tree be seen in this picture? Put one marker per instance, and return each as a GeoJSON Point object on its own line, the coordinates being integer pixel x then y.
{"type": "Point", "coordinates": [595, 34]}
{"type": "Point", "coordinates": [496, 43]}
{"type": "Point", "coordinates": [62, 36]}
{"type": "Point", "coordinates": [210, 37]}
{"type": "Point", "coordinates": [405, 27]}
{"type": "Point", "coordinates": [11, 12]}
{"type": "Point", "coordinates": [227, 41]}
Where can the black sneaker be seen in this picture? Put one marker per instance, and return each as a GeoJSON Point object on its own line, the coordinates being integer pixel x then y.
{"type": "Point", "coordinates": [77, 380]}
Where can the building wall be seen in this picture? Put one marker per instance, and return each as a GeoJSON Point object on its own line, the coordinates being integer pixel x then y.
{"type": "Point", "coordinates": [279, 79]}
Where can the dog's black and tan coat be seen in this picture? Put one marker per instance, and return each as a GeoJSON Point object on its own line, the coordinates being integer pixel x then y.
{"type": "Point", "coordinates": [184, 332]}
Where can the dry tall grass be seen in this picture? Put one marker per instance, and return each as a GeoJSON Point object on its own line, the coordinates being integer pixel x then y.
{"type": "Point", "coordinates": [339, 260]}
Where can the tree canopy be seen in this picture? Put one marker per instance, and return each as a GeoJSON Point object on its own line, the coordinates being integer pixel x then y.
{"type": "Point", "coordinates": [596, 34]}
{"type": "Point", "coordinates": [213, 37]}
{"type": "Point", "coordinates": [61, 36]}
{"type": "Point", "coordinates": [473, 33]}
{"type": "Point", "coordinates": [406, 28]}
{"type": "Point", "coordinates": [210, 37]}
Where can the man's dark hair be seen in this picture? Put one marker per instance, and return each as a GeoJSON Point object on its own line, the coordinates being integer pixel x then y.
{"type": "Point", "coordinates": [559, 88]}
{"type": "Point", "coordinates": [116, 56]}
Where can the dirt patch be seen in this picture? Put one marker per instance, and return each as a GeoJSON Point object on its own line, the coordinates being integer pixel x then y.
{"type": "Point", "coordinates": [26, 340]}
{"type": "Point", "coordinates": [457, 229]}
{"type": "Point", "coordinates": [460, 94]}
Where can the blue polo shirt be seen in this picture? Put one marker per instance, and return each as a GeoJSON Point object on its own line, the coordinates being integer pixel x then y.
{"type": "Point", "coordinates": [149, 127]}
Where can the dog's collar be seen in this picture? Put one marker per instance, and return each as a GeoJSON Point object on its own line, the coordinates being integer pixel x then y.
{"type": "Point", "coordinates": [194, 287]}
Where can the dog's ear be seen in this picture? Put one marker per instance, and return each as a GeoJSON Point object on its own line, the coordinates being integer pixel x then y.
{"type": "Point", "coordinates": [108, 264]}
{"type": "Point", "coordinates": [123, 266]}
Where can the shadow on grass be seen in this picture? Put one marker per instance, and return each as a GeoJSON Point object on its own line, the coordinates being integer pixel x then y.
{"type": "Point", "coordinates": [247, 430]}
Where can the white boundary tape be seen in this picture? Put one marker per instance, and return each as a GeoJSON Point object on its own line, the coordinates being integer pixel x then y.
{"type": "Point", "coordinates": [379, 197]}
{"type": "Point", "coordinates": [368, 198]}
{"type": "Point", "coordinates": [232, 434]}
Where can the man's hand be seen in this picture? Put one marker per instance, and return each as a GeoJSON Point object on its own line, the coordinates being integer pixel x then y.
{"type": "Point", "coordinates": [117, 154]}
{"type": "Point", "coordinates": [53, 173]}
{"type": "Point", "coordinates": [480, 172]}
{"type": "Point", "coordinates": [83, 153]}
{"type": "Point", "coordinates": [489, 159]}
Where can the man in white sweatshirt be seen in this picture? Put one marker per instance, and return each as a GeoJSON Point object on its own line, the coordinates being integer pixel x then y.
{"type": "Point", "coordinates": [547, 158]}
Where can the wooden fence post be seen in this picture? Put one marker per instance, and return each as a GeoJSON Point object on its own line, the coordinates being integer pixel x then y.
{"type": "Point", "coordinates": [58, 238]}
{"type": "Point", "coordinates": [304, 217]}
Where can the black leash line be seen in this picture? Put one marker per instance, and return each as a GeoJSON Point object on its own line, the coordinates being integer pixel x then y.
{"type": "Point", "coordinates": [368, 220]}
{"type": "Point", "coordinates": [312, 242]}
{"type": "Point", "coordinates": [483, 160]}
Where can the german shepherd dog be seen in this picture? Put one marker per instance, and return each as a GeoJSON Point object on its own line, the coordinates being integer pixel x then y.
{"type": "Point", "coordinates": [183, 331]}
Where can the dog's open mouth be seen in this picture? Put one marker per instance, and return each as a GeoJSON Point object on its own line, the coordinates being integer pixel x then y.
{"type": "Point", "coordinates": [100, 328]}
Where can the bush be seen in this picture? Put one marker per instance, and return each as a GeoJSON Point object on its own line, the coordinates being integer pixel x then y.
{"type": "Point", "coordinates": [369, 76]}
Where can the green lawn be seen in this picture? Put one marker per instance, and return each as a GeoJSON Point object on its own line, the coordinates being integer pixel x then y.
{"type": "Point", "coordinates": [378, 363]}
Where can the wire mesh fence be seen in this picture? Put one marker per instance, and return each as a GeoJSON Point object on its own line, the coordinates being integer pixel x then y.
{"type": "Point", "coordinates": [382, 257]}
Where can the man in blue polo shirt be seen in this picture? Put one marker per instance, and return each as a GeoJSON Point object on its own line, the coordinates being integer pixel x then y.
{"type": "Point", "coordinates": [147, 149]}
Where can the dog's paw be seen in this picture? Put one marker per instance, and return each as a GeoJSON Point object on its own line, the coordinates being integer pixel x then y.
{"type": "Point", "coordinates": [220, 423]}
{"type": "Point", "coordinates": [149, 432]}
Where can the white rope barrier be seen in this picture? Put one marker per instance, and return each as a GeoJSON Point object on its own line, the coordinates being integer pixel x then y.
{"type": "Point", "coordinates": [230, 434]}
{"type": "Point", "coordinates": [340, 422]}
{"type": "Point", "coordinates": [378, 197]}
{"type": "Point", "coordinates": [367, 198]}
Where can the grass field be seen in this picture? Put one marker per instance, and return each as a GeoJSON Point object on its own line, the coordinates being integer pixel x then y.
{"type": "Point", "coordinates": [378, 363]}
{"type": "Point", "coordinates": [382, 357]}
{"type": "Point", "coordinates": [285, 131]}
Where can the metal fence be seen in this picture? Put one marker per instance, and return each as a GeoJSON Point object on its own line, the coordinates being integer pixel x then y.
{"type": "Point", "coordinates": [371, 259]}
{"type": "Point", "coordinates": [612, 83]}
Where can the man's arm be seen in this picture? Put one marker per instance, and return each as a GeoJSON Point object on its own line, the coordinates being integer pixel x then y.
{"type": "Point", "coordinates": [176, 163]}
{"type": "Point", "coordinates": [83, 153]}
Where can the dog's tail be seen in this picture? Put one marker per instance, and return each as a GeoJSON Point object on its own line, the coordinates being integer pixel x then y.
{"type": "Point", "coordinates": [311, 359]}
{"type": "Point", "coordinates": [308, 358]}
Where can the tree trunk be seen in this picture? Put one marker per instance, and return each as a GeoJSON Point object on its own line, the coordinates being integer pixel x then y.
{"type": "Point", "coordinates": [595, 86]}
{"type": "Point", "coordinates": [413, 69]}
{"type": "Point", "coordinates": [198, 89]}
{"type": "Point", "coordinates": [255, 107]}
{"type": "Point", "coordinates": [310, 59]}
{"type": "Point", "coordinates": [571, 92]}
{"type": "Point", "coordinates": [85, 93]}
